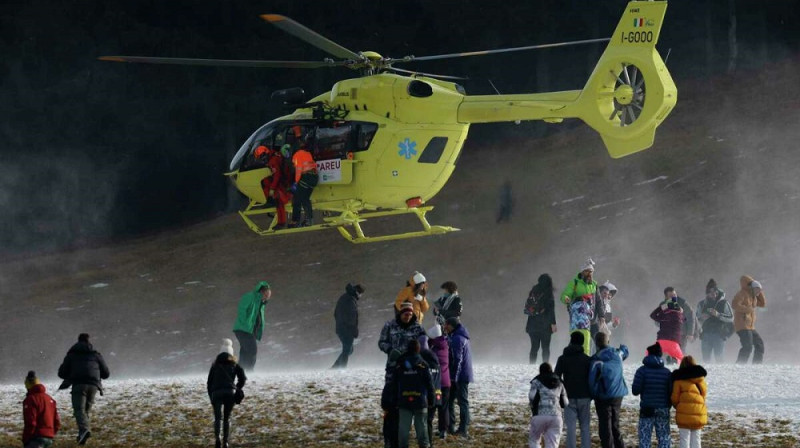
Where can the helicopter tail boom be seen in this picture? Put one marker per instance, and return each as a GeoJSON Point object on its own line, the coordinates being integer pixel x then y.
{"type": "Point", "coordinates": [628, 95]}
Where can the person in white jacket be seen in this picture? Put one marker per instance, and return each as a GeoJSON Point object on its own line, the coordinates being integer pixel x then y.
{"type": "Point", "coordinates": [547, 398]}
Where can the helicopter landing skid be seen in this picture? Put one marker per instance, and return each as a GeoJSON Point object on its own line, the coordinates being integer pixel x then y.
{"type": "Point", "coordinates": [349, 218]}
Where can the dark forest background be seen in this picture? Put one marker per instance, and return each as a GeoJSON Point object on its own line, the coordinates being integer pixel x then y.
{"type": "Point", "coordinates": [93, 151]}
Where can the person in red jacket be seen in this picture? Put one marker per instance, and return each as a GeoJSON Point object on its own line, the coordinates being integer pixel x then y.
{"type": "Point", "coordinates": [40, 415]}
{"type": "Point", "coordinates": [274, 186]}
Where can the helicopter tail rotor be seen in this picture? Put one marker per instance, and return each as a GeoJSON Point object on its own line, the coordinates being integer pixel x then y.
{"type": "Point", "coordinates": [630, 91]}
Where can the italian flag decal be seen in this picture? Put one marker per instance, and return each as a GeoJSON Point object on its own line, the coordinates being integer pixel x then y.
{"type": "Point", "coordinates": [638, 23]}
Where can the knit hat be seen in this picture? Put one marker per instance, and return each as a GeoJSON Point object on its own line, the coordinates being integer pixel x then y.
{"type": "Point", "coordinates": [755, 284]}
{"type": "Point", "coordinates": [588, 265]}
{"type": "Point", "coordinates": [418, 278]}
{"type": "Point", "coordinates": [227, 346]}
{"type": "Point", "coordinates": [711, 284]}
{"type": "Point", "coordinates": [576, 338]}
{"type": "Point", "coordinates": [435, 331]}
{"type": "Point", "coordinates": [406, 306]}
{"type": "Point", "coordinates": [453, 321]}
{"type": "Point", "coordinates": [31, 380]}
{"type": "Point", "coordinates": [655, 350]}
{"type": "Point", "coordinates": [609, 286]}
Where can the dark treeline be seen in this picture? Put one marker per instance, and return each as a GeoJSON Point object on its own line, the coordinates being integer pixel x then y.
{"type": "Point", "coordinates": [95, 150]}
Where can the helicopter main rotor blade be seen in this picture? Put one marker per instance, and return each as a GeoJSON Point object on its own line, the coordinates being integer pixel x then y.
{"type": "Point", "coordinates": [315, 39]}
{"type": "Point", "coordinates": [430, 75]}
{"type": "Point", "coordinates": [223, 62]}
{"type": "Point", "coordinates": [501, 50]}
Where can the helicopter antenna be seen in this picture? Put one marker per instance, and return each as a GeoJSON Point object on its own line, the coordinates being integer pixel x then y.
{"type": "Point", "coordinates": [669, 50]}
{"type": "Point", "coordinates": [492, 84]}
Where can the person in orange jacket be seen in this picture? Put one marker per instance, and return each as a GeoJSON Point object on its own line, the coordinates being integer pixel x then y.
{"type": "Point", "coordinates": [744, 305]}
{"type": "Point", "coordinates": [689, 390]}
{"type": "Point", "coordinates": [40, 414]}
{"type": "Point", "coordinates": [305, 179]}
{"type": "Point", "coordinates": [415, 292]}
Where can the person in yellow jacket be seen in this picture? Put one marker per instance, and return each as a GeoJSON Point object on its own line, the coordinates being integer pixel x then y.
{"type": "Point", "coordinates": [415, 292]}
{"type": "Point", "coordinates": [744, 307]}
{"type": "Point", "coordinates": [689, 390]}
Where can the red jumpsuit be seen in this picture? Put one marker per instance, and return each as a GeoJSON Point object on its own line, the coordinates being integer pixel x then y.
{"type": "Point", "coordinates": [276, 183]}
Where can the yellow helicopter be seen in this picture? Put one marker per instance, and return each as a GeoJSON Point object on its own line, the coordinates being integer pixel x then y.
{"type": "Point", "coordinates": [385, 143]}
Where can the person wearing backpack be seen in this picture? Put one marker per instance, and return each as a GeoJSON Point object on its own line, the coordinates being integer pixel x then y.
{"type": "Point", "coordinates": [715, 315]}
{"type": "Point", "coordinates": [223, 392]}
{"type": "Point", "coordinates": [579, 297]}
{"type": "Point", "coordinates": [540, 309]}
{"type": "Point", "coordinates": [415, 392]}
{"type": "Point", "coordinates": [653, 382]}
{"type": "Point", "coordinates": [608, 387]}
{"type": "Point", "coordinates": [689, 390]}
{"type": "Point", "coordinates": [547, 399]}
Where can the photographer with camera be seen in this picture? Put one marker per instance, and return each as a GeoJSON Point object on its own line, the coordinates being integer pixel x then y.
{"type": "Point", "coordinates": [670, 318]}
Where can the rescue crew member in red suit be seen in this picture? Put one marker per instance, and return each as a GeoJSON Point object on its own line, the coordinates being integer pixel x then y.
{"type": "Point", "coordinates": [305, 178]}
{"type": "Point", "coordinates": [275, 185]}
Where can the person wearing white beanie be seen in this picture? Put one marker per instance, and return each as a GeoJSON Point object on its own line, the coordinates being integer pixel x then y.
{"type": "Point", "coordinates": [415, 292]}
{"type": "Point", "coordinates": [744, 304]}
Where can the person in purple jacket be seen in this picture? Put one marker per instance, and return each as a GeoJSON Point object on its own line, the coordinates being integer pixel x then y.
{"type": "Point", "coordinates": [669, 316]}
{"type": "Point", "coordinates": [437, 342]}
{"type": "Point", "coordinates": [460, 374]}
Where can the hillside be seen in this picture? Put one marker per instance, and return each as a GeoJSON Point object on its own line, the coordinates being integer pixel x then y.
{"type": "Point", "coordinates": [716, 197]}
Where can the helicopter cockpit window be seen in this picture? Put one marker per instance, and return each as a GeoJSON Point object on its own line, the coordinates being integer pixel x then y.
{"type": "Point", "coordinates": [433, 150]}
{"type": "Point", "coordinates": [244, 158]}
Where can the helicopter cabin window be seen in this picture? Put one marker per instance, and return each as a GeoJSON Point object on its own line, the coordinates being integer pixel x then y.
{"type": "Point", "coordinates": [433, 150]}
{"type": "Point", "coordinates": [334, 140]}
{"type": "Point", "coordinates": [245, 158]}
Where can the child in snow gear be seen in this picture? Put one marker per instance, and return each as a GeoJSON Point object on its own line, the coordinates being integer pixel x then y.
{"type": "Point", "coordinates": [547, 399]}
{"type": "Point", "coordinates": [689, 390]}
{"type": "Point", "coordinates": [84, 369]}
{"type": "Point", "coordinates": [438, 345]}
{"type": "Point", "coordinates": [222, 391]}
{"type": "Point", "coordinates": [573, 369]}
{"type": "Point", "coordinates": [670, 318]}
{"type": "Point", "coordinates": [249, 326]}
{"type": "Point", "coordinates": [579, 297]}
{"type": "Point", "coordinates": [40, 414]}
{"type": "Point", "coordinates": [415, 392]}
{"type": "Point", "coordinates": [608, 387]}
{"type": "Point", "coordinates": [346, 316]}
{"type": "Point", "coordinates": [654, 383]}
{"type": "Point", "coordinates": [750, 297]}
{"type": "Point", "coordinates": [540, 309]}
{"type": "Point", "coordinates": [715, 315]}
{"type": "Point", "coordinates": [449, 304]}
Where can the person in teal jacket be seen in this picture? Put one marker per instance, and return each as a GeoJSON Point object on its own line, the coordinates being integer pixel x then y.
{"type": "Point", "coordinates": [579, 297]}
{"type": "Point", "coordinates": [249, 324]}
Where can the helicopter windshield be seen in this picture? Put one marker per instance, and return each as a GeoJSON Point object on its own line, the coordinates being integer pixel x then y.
{"type": "Point", "coordinates": [263, 136]}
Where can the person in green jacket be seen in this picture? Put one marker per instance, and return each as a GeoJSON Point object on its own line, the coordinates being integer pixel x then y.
{"type": "Point", "coordinates": [250, 323]}
{"type": "Point", "coordinates": [579, 297]}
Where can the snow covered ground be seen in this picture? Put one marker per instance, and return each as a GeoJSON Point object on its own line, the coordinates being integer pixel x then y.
{"type": "Point", "coordinates": [340, 408]}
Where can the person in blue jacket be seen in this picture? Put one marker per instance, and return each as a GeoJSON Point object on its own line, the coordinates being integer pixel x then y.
{"type": "Point", "coordinates": [608, 387]}
{"type": "Point", "coordinates": [460, 374]}
{"type": "Point", "coordinates": [654, 383]}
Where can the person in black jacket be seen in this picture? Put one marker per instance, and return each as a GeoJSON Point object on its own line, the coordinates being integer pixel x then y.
{"type": "Point", "coordinates": [83, 369]}
{"type": "Point", "coordinates": [540, 309]}
{"type": "Point", "coordinates": [346, 315]}
{"type": "Point", "coordinates": [223, 392]}
{"type": "Point", "coordinates": [449, 304]}
{"type": "Point", "coordinates": [415, 393]}
{"type": "Point", "coordinates": [573, 368]}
